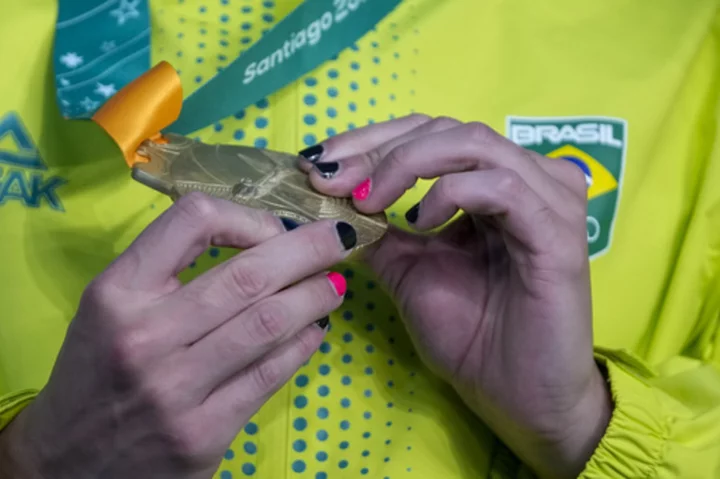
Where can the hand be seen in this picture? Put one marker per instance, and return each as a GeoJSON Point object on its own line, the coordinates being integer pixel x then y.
{"type": "Point", "coordinates": [498, 302]}
{"type": "Point", "coordinates": [155, 378]}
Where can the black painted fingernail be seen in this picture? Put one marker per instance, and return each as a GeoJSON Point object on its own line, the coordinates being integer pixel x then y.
{"type": "Point", "coordinates": [327, 170]}
{"type": "Point", "coordinates": [347, 234]}
{"type": "Point", "coordinates": [412, 214]}
{"type": "Point", "coordinates": [289, 224]}
{"type": "Point", "coordinates": [313, 153]}
{"type": "Point", "coordinates": [323, 323]}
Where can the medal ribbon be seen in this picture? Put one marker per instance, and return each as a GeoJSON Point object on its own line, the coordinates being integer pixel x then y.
{"type": "Point", "coordinates": [103, 46]}
{"type": "Point", "coordinates": [100, 46]}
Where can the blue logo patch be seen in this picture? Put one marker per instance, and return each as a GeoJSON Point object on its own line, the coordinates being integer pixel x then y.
{"type": "Point", "coordinates": [23, 177]}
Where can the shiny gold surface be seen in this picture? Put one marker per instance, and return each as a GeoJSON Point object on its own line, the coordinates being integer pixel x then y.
{"type": "Point", "coordinates": [252, 177]}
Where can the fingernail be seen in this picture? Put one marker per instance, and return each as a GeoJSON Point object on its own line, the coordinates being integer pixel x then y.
{"type": "Point", "coordinates": [338, 282]}
{"type": "Point", "coordinates": [327, 170]}
{"type": "Point", "coordinates": [412, 214]}
{"type": "Point", "coordinates": [289, 224]}
{"type": "Point", "coordinates": [323, 323]}
{"type": "Point", "coordinates": [362, 191]}
{"type": "Point", "coordinates": [313, 153]}
{"type": "Point", "coordinates": [347, 234]}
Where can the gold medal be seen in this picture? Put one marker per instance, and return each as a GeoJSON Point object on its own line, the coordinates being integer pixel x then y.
{"type": "Point", "coordinates": [252, 177]}
{"type": "Point", "coordinates": [176, 165]}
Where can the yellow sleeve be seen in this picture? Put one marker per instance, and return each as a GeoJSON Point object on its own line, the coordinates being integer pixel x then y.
{"type": "Point", "coordinates": [666, 422]}
{"type": "Point", "coordinates": [12, 404]}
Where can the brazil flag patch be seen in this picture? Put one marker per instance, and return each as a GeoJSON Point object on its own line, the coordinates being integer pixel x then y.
{"type": "Point", "coordinates": [595, 144]}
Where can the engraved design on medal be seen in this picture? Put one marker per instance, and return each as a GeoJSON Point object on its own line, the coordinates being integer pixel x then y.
{"type": "Point", "coordinates": [252, 177]}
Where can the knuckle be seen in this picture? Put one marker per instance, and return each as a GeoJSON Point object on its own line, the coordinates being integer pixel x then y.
{"type": "Point", "coordinates": [479, 133]}
{"type": "Point", "coordinates": [184, 445]}
{"type": "Point", "coordinates": [546, 236]}
{"type": "Point", "coordinates": [419, 118]}
{"type": "Point", "coordinates": [371, 158]}
{"type": "Point", "coordinates": [249, 281]}
{"type": "Point", "coordinates": [444, 190]}
{"type": "Point", "coordinates": [572, 190]}
{"type": "Point", "coordinates": [573, 177]}
{"type": "Point", "coordinates": [104, 301]}
{"type": "Point", "coordinates": [268, 323]}
{"type": "Point", "coordinates": [132, 345]}
{"type": "Point", "coordinates": [510, 184]}
{"type": "Point", "coordinates": [565, 247]}
{"type": "Point", "coordinates": [442, 123]}
{"type": "Point", "coordinates": [196, 208]}
{"type": "Point", "coordinates": [159, 379]}
{"type": "Point", "coordinates": [263, 222]}
{"type": "Point", "coordinates": [260, 218]}
{"type": "Point", "coordinates": [266, 376]}
{"type": "Point", "coordinates": [158, 392]}
{"type": "Point", "coordinates": [190, 441]}
{"type": "Point", "coordinates": [397, 156]}
{"type": "Point", "coordinates": [100, 293]}
{"type": "Point", "coordinates": [177, 379]}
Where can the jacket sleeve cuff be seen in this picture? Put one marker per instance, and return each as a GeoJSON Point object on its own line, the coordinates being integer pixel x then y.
{"type": "Point", "coordinates": [637, 436]}
{"type": "Point", "coordinates": [12, 404]}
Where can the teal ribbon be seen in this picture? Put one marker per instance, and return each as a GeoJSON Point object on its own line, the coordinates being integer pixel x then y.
{"type": "Point", "coordinates": [310, 35]}
{"type": "Point", "coordinates": [101, 46]}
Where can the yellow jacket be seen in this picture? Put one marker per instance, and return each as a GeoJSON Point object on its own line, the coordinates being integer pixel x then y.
{"type": "Point", "coordinates": [629, 88]}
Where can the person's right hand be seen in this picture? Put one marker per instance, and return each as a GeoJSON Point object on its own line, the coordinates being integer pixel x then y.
{"type": "Point", "coordinates": [156, 378]}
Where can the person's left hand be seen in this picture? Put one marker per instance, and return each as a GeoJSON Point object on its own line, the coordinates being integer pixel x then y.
{"type": "Point", "coordinates": [498, 303]}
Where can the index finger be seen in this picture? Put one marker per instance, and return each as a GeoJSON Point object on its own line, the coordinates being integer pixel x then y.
{"type": "Point", "coordinates": [255, 274]}
{"type": "Point", "coordinates": [183, 232]}
{"type": "Point", "coordinates": [359, 141]}
{"type": "Point", "coordinates": [468, 147]}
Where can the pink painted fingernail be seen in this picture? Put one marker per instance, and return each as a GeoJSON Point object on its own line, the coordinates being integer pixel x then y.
{"type": "Point", "coordinates": [362, 191]}
{"type": "Point", "coordinates": [338, 282]}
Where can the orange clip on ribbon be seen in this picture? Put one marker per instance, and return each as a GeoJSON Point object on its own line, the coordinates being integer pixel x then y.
{"type": "Point", "coordinates": [141, 109]}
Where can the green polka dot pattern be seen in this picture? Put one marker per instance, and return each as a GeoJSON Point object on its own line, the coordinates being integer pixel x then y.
{"type": "Point", "coordinates": [358, 395]}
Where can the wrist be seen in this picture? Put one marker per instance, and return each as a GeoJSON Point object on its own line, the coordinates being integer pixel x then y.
{"type": "Point", "coordinates": [553, 448]}
{"type": "Point", "coordinates": [584, 433]}
{"type": "Point", "coordinates": [565, 453]}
